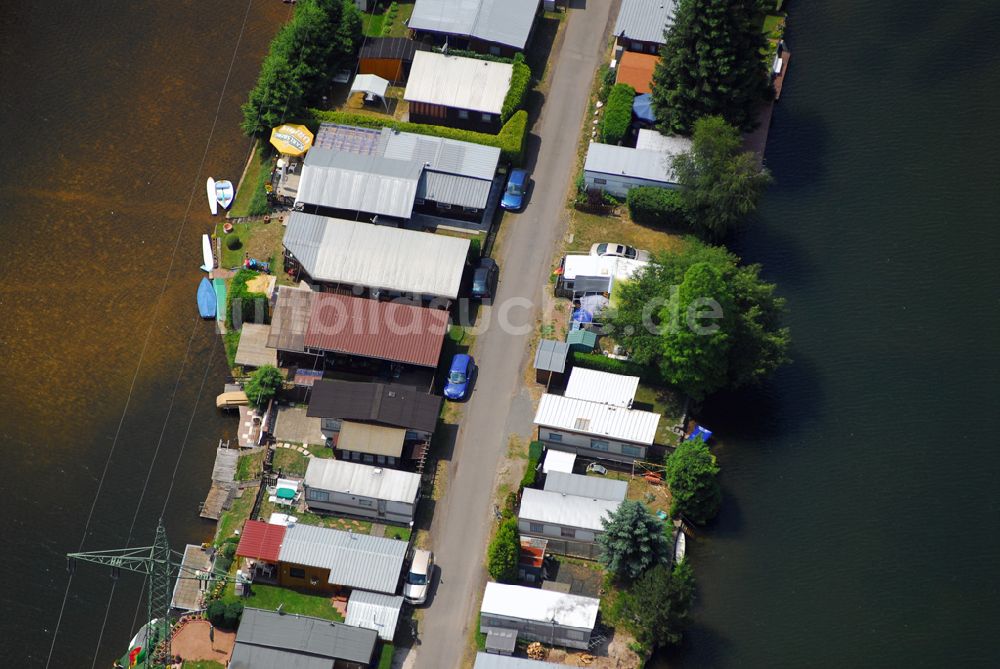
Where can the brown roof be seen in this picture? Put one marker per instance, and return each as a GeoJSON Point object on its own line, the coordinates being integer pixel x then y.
{"type": "Point", "coordinates": [261, 541]}
{"type": "Point", "coordinates": [373, 329]}
{"type": "Point", "coordinates": [398, 48]}
{"type": "Point", "coordinates": [387, 404]}
{"type": "Point", "coordinates": [289, 319]}
{"type": "Point", "coordinates": [636, 70]}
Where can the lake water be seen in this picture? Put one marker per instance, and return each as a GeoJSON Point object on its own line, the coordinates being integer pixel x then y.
{"type": "Point", "coordinates": [860, 525]}
{"type": "Point", "coordinates": [107, 108]}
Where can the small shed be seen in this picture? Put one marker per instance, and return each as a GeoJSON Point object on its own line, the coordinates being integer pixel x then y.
{"type": "Point", "coordinates": [584, 341]}
{"type": "Point", "coordinates": [389, 57]}
{"type": "Point", "coordinates": [374, 611]}
{"type": "Point", "coordinates": [550, 360]}
{"type": "Point", "coordinates": [372, 85]}
{"type": "Point", "coordinates": [554, 618]}
{"type": "Point", "coordinates": [501, 641]}
{"type": "Point", "coordinates": [558, 461]}
{"type": "Point", "coordinates": [252, 350]}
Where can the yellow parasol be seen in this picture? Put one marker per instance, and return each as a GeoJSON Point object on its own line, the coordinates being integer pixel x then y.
{"type": "Point", "coordinates": [291, 140]}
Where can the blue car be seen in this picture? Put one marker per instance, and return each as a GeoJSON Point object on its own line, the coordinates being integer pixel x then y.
{"type": "Point", "coordinates": [458, 377]}
{"type": "Point", "coordinates": [517, 187]}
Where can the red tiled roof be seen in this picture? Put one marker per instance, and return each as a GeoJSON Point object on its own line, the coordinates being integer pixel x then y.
{"type": "Point", "coordinates": [261, 541]}
{"type": "Point", "coordinates": [373, 329]}
{"type": "Point", "coordinates": [636, 70]}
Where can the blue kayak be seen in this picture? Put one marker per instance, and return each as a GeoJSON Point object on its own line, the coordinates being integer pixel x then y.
{"type": "Point", "coordinates": [207, 302]}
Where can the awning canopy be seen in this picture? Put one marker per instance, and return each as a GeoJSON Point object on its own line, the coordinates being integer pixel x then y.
{"type": "Point", "coordinates": [370, 84]}
{"type": "Point", "coordinates": [371, 439]}
{"type": "Point", "coordinates": [291, 140]}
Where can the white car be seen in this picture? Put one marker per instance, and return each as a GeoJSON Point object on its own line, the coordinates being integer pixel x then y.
{"type": "Point", "coordinates": [619, 251]}
{"type": "Point", "coordinates": [418, 579]}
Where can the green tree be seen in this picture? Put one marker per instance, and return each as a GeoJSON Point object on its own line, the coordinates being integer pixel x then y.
{"type": "Point", "coordinates": [659, 604]}
{"type": "Point", "coordinates": [503, 552]}
{"type": "Point", "coordinates": [693, 478]}
{"type": "Point", "coordinates": [633, 541]}
{"type": "Point", "coordinates": [648, 317]}
{"type": "Point", "coordinates": [263, 385]}
{"type": "Point", "coordinates": [722, 184]}
{"type": "Point", "coordinates": [712, 63]}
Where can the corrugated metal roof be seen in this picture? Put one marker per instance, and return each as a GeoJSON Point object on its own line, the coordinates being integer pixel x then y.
{"type": "Point", "coordinates": [547, 606]}
{"type": "Point", "coordinates": [394, 48]}
{"type": "Point", "coordinates": [600, 420]}
{"type": "Point", "coordinates": [596, 386]}
{"type": "Point", "coordinates": [354, 560]}
{"type": "Point", "coordinates": [365, 183]}
{"type": "Point", "coordinates": [495, 661]}
{"type": "Point", "coordinates": [301, 636]}
{"type": "Point", "coordinates": [371, 439]}
{"type": "Point", "coordinates": [375, 329]}
{"type": "Point", "coordinates": [574, 266]}
{"type": "Point", "coordinates": [375, 612]}
{"type": "Point", "coordinates": [558, 461]}
{"type": "Point", "coordinates": [386, 403]}
{"type": "Point", "coordinates": [645, 20]}
{"type": "Point", "coordinates": [454, 81]}
{"type": "Point", "coordinates": [443, 155]}
{"type": "Point", "coordinates": [591, 487]}
{"type": "Point", "coordinates": [506, 22]}
{"type": "Point", "coordinates": [289, 319]}
{"type": "Point", "coordinates": [551, 356]}
{"type": "Point", "coordinates": [260, 541]}
{"type": "Point", "coordinates": [628, 162]}
{"type": "Point", "coordinates": [362, 254]}
{"type": "Point", "coordinates": [455, 190]}
{"type": "Point", "coordinates": [363, 480]}
{"type": "Point", "coordinates": [653, 140]}
{"type": "Point", "coordinates": [556, 508]}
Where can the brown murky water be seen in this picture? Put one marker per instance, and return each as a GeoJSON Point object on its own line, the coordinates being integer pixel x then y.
{"type": "Point", "coordinates": [107, 110]}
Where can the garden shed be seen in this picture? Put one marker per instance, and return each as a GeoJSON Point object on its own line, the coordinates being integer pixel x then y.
{"type": "Point", "coordinates": [554, 618]}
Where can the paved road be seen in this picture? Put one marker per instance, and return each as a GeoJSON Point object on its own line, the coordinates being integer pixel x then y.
{"type": "Point", "coordinates": [462, 518]}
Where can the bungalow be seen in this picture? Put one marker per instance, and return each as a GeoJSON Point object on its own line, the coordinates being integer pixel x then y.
{"type": "Point", "coordinates": [569, 512]}
{"type": "Point", "coordinates": [388, 57]}
{"type": "Point", "coordinates": [581, 275]}
{"type": "Point", "coordinates": [642, 24]}
{"type": "Point", "coordinates": [497, 27]}
{"type": "Point", "coordinates": [378, 423]}
{"type": "Point", "coordinates": [458, 92]}
{"type": "Point", "coordinates": [594, 429]}
{"type": "Point", "coordinates": [267, 639]}
{"type": "Point", "coordinates": [355, 489]}
{"type": "Point", "coordinates": [554, 618]}
{"type": "Point", "coordinates": [617, 169]}
{"type": "Point", "coordinates": [388, 262]}
{"type": "Point", "coordinates": [320, 559]}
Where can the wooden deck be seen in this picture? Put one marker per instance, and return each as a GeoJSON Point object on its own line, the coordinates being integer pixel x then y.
{"type": "Point", "coordinates": [220, 494]}
{"type": "Point", "coordinates": [187, 589]}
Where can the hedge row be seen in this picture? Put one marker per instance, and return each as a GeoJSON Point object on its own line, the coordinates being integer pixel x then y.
{"type": "Point", "coordinates": [465, 53]}
{"type": "Point", "coordinates": [603, 363]}
{"type": "Point", "coordinates": [510, 139]}
{"type": "Point", "coordinates": [617, 114]}
{"type": "Point", "coordinates": [534, 457]}
{"type": "Point", "coordinates": [244, 305]}
{"type": "Point", "coordinates": [520, 81]}
{"type": "Point", "coordinates": [660, 207]}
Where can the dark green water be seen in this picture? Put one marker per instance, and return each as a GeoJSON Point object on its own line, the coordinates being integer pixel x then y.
{"type": "Point", "coordinates": [107, 108]}
{"type": "Point", "coordinates": [860, 526]}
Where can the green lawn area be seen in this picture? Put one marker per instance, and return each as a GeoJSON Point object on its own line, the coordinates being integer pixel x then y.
{"type": "Point", "coordinates": [664, 402]}
{"type": "Point", "coordinates": [251, 199]}
{"type": "Point", "coordinates": [398, 27]}
{"type": "Point", "coordinates": [202, 664]}
{"type": "Point", "coordinates": [371, 24]}
{"type": "Point", "coordinates": [259, 239]}
{"type": "Point", "coordinates": [237, 514]}
{"type": "Point", "coordinates": [589, 229]}
{"type": "Point", "coordinates": [385, 656]}
{"type": "Point", "coordinates": [270, 597]}
{"type": "Point", "coordinates": [248, 467]}
{"type": "Point", "coordinates": [772, 23]}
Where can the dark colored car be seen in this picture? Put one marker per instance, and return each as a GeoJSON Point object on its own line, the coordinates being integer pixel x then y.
{"type": "Point", "coordinates": [484, 279]}
{"type": "Point", "coordinates": [517, 188]}
{"type": "Point", "coordinates": [459, 376]}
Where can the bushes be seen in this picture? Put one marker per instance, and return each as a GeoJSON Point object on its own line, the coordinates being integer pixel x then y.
{"type": "Point", "coordinates": [243, 305]}
{"type": "Point", "coordinates": [233, 242]}
{"type": "Point", "coordinates": [534, 457]}
{"type": "Point", "coordinates": [388, 650]}
{"type": "Point", "coordinates": [263, 385]}
{"type": "Point", "coordinates": [225, 615]}
{"type": "Point", "coordinates": [617, 114]}
{"type": "Point", "coordinates": [503, 552]}
{"type": "Point", "coordinates": [660, 207]}
{"type": "Point", "coordinates": [520, 81]}
{"type": "Point", "coordinates": [510, 139]}
{"type": "Point", "coordinates": [390, 18]}
{"type": "Point", "coordinates": [603, 363]}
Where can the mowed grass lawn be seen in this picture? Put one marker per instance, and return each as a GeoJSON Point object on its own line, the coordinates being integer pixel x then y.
{"type": "Point", "coordinates": [270, 597]}
{"type": "Point", "coordinates": [589, 229]}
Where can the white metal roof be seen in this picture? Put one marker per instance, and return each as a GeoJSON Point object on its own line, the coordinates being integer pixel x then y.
{"type": "Point", "coordinates": [374, 611]}
{"type": "Point", "coordinates": [611, 266]}
{"type": "Point", "coordinates": [354, 560]}
{"type": "Point", "coordinates": [645, 20]}
{"type": "Point", "coordinates": [592, 487]}
{"type": "Point", "coordinates": [596, 386]}
{"type": "Point", "coordinates": [599, 420]}
{"type": "Point", "coordinates": [369, 184]}
{"type": "Point", "coordinates": [652, 140]}
{"type": "Point", "coordinates": [547, 606]}
{"type": "Point", "coordinates": [558, 461]}
{"type": "Point", "coordinates": [363, 480]}
{"type": "Point", "coordinates": [443, 155]}
{"type": "Point", "coordinates": [506, 22]}
{"type": "Point", "coordinates": [556, 508]}
{"type": "Point", "coordinates": [497, 661]}
{"type": "Point", "coordinates": [628, 162]}
{"type": "Point", "coordinates": [358, 253]}
{"type": "Point", "coordinates": [454, 81]}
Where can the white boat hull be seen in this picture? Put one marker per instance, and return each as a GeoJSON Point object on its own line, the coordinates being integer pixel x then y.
{"type": "Point", "coordinates": [207, 255]}
{"type": "Point", "coordinates": [213, 200]}
{"type": "Point", "coordinates": [224, 193]}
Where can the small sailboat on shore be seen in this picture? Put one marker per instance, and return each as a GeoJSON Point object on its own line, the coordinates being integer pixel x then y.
{"type": "Point", "coordinates": [207, 301]}
{"type": "Point", "coordinates": [224, 193]}
{"type": "Point", "coordinates": [208, 258]}
{"type": "Point", "coordinates": [213, 198]}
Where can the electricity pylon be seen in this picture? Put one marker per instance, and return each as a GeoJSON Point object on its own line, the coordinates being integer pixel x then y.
{"type": "Point", "coordinates": [161, 566]}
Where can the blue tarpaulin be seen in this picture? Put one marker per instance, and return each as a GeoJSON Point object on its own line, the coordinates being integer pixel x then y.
{"type": "Point", "coordinates": [582, 316]}
{"type": "Point", "coordinates": [642, 107]}
{"type": "Point", "coordinates": [700, 433]}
